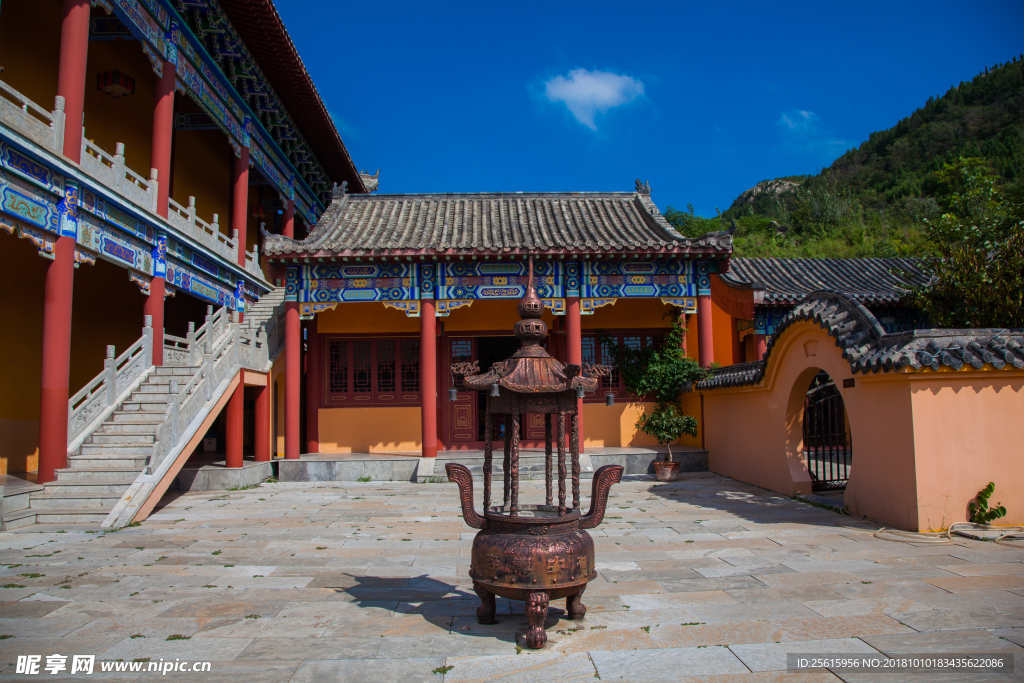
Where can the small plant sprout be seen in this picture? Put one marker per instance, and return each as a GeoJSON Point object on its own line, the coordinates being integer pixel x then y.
{"type": "Point", "coordinates": [979, 509]}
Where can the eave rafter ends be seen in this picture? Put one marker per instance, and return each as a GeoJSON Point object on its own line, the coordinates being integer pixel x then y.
{"type": "Point", "coordinates": [869, 348]}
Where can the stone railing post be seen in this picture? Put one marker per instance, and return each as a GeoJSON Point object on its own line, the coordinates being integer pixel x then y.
{"type": "Point", "coordinates": [110, 370]}
{"type": "Point", "coordinates": [234, 254]}
{"type": "Point", "coordinates": [154, 187]}
{"type": "Point", "coordinates": [147, 338]}
{"type": "Point", "coordinates": [119, 167]}
{"type": "Point", "coordinates": [192, 213]}
{"type": "Point", "coordinates": [191, 337]}
{"type": "Point", "coordinates": [58, 124]}
{"type": "Point", "coordinates": [173, 402]}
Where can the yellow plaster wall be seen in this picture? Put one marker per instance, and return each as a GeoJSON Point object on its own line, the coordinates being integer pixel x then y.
{"type": "Point", "coordinates": [609, 426]}
{"type": "Point", "coordinates": [202, 164]}
{"type": "Point", "coordinates": [110, 120]}
{"type": "Point", "coordinates": [368, 317]}
{"type": "Point", "coordinates": [629, 314]}
{"type": "Point", "coordinates": [22, 273]}
{"type": "Point", "coordinates": [30, 48]}
{"type": "Point", "coordinates": [370, 430]}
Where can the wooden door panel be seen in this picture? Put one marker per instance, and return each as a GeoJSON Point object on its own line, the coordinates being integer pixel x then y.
{"type": "Point", "coordinates": [462, 411]}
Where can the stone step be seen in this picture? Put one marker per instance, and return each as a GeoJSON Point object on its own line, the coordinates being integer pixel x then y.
{"type": "Point", "coordinates": [95, 486]}
{"type": "Point", "coordinates": [49, 501]}
{"type": "Point", "coordinates": [94, 515]}
{"type": "Point", "coordinates": [155, 388]}
{"type": "Point", "coordinates": [58, 528]}
{"type": "Point", "coordinates": [128, 427]}
{"type": "Point", "coordinates": [164, 380]}
{"type": "Point", "coordinates": [154, 417]}
{"type": "Point", "coordinates": [135, 437]}
{"type": "Point", "coordinates": [90, 449]}
{"type": "Point", "coordinates": [170, 371]}
{"type": "Point", "coordinates": [136, 462]}
{"type": "Point", "coordinates": [107, 474]}
{"type": "Point", "coordinates": [146, 404]}
{"type": "Point", "coordinates": [18, 519]}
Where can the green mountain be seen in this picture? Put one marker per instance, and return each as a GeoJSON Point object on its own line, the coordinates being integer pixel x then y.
{"type": "Point", "coordinates": [873, 200]}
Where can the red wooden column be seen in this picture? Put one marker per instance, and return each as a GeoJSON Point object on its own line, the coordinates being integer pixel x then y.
{"type": "Point", "coordinates": [705, 335]}
{"type": "Point", "coordinates": [313, 374]}
{"type": "Point", "coordinates": [60, 274]}
{"type": "Point", "coordinates": [233, 428]}
{"type": "Point", "coordinates": [428, 377]}
{"type": "Point", "coordinates": [574, 347]}
{"type": "Point", "coordinates": [74, 49]}
{"type": "Point", "coordinates": [760, 346]}
{"type": "Point", "coordinates": [288, 224]}
{"type": "Point", "coordinates": [292, 376]}
{"type": "Point", "coordinates": [160, 159]}
{"type": "Point", "coordinates": [261, 424]}
{"type": "Point", "coordinates": [240, 201]}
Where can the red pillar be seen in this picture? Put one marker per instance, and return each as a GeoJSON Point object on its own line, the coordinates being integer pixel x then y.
{"type": "Point", "coordinates": [292, 372]}
{"type": "Point", "coordinates": [53, 405]}
{"type": "Point", "coordinates": [261, 424]}
{"type": "Point", "coordinates": [74, 49]}
{"type": "Point", "coordinates": [288, 224]}
{"type": "Point", "coordinates": [574, 347]}
{"type": "Point", "coordinates": [233, 428]}
{"type": "Point", "coordinates": [313, 373]}
{"type": "Point", "coordinates": [163, 136]}
{"type": "Point", "coordinates": [428, 377]}
{"type": "Point", "coordinates": [760, 346]}
{"type": "Point", "coordinates": [705, 336]}
{"type": "Point", "coordinates": [60, 274]}
{"type": "Point", "coordinates": [240, 201]}
{"type": "Point", "coordinates": [154, 306]}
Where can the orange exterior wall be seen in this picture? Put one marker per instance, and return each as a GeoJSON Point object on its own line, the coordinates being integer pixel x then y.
{"type": "Point", "coordinates": [924, 443]}
{"type": "Point", "coordinates": [202, 162]}
{"type": "Point", "coordinates": [370, 430]}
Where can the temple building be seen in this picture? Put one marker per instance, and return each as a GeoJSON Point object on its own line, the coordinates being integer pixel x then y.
{"type": "Point", "coordinates": [142, 146]}
{"type": "Point", "coordinates": [395, 288]}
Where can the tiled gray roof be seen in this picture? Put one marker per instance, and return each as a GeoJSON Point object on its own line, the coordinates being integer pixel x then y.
{"type": "Point", "coordinates": [495, 223]}
{"type": "Point", "coordinates": [788, 280]}
{"type": "Point", "coordinates": [869, 348]}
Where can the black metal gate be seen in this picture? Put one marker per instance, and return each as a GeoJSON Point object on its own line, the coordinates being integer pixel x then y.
{"type": "Point", "coordinates": [827, 443]}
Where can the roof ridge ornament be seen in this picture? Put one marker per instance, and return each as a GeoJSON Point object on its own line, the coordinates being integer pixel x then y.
{"type": "Point", "coordinates": [643, 187]}
{"type": "Point", "coordinates": [339, 191]}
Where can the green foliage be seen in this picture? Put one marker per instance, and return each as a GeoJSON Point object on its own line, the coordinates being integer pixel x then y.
{"type": "Point", "coordinates": [978, 264]}
{"type": "Point", "coordinates": [661, 372]}
{"type": "Point", "coordinates": [980, 511]}
{"type": "Point", "coordinates": [690, 224]}
{"type": "Point", "coordinates": [875, 200]}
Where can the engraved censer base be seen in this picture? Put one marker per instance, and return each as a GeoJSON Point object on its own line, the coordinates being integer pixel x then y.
{"type": "Point", "coordinates": [536, 556]}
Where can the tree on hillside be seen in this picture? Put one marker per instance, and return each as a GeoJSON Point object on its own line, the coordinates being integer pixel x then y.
{"type": "Point", "coordinates": [979, 243]}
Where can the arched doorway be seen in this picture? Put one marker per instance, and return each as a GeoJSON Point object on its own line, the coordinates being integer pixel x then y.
{"type": "Point", "coordinates": [828, 446]}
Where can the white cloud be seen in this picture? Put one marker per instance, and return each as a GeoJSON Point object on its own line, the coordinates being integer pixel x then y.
{"type": "Point", "coordinates": [587, 93]}
{"type": "Point", "coordinates": [804, 131]}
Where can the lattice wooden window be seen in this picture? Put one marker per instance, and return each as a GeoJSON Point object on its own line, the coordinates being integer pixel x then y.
{"type": "Point", "coordinates": [372, 372]}
{"type": "Point", "coordinates": [593, 352]}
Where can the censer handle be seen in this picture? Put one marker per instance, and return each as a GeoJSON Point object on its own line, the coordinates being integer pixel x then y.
{"type": "Point", "coordinates": [603, 480]}
{"type": "Point", "coordinates": [461, 476]}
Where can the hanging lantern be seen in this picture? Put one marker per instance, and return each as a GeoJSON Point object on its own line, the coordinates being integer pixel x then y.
{"type": "Point", "coordinates": [609, 399]}
{"type": "Point", "coordinates": [453, 394]}
{"type": "Point", "coordinates": [115, 83]}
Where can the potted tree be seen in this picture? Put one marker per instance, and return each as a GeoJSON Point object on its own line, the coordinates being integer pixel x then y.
{"type": "Point", "coordinates": [661, 373]}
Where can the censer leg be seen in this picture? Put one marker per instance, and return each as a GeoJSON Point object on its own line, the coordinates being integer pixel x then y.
{"type": "Point", "coordinates": [485, 612]}
{"type": "Point", "coordinates": [574, 606]}
{"type": "Point", "coordinates": [537, 612]}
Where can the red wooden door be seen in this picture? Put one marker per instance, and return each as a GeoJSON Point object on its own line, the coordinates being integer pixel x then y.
{"type": "Point", "coordinates": [462, 411]}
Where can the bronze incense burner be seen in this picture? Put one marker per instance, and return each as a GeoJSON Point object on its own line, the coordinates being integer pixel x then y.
{"type": "Point", "coordinates": [534, 553]}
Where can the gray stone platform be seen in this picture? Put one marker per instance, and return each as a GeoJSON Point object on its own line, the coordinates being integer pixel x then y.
{"type": "Point", "coordinates": [214, 476]}
{"type": "Point", "coordinates": [409, 467]}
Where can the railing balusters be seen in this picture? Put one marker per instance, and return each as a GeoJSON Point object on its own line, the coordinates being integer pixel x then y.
{"type": "Point", "coordinates": [110, 369]}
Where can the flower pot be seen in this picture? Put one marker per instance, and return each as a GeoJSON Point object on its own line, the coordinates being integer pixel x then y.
{"type": "Point", "coordinates": [666, 471]}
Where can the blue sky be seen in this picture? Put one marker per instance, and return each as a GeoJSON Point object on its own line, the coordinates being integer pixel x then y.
{"type": "Point", "coordinates": [703, 100]}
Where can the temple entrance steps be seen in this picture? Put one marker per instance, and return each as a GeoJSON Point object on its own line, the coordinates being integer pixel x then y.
{"type": "Point", "coordinates": [147, 434]}
{"type": "Point", "coordinates": [111, 458]}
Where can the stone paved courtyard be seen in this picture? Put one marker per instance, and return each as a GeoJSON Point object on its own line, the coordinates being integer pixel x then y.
{"type": "Point", "coordinates": [705, 579]}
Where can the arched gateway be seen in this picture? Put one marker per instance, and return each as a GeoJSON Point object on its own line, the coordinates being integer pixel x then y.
{"type": "Point", "coordinates": [935, 414]}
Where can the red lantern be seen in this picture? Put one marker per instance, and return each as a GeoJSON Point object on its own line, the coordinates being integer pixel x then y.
{"type": "Point", "coordinates": [115, 83]}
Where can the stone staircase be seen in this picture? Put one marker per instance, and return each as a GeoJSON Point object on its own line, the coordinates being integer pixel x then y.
{"type": "Point", "coordinates": [112, 457]}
